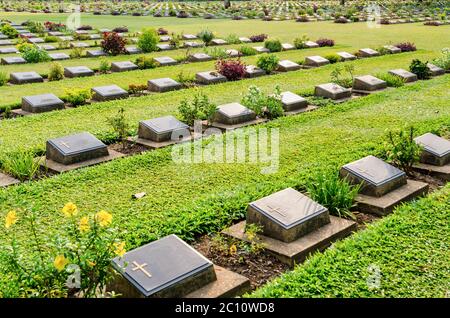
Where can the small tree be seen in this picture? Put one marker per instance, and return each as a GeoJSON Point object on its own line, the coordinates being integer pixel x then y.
{"type": "Point", "coordinates": [148, 40]}
{"type": "Point", "coordinates": [120, 126]}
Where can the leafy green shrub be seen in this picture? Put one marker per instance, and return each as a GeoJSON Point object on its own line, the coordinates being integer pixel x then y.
{"type": "Point", "coordinates": [444, 60]}
{"type": "Point", "coordinates": [333, 58]}
{"type": "Point", "coordinates": [7, 112]}
{"type": "Point", "coordinates": [391, 79]}
{"type": "Point", "coordinates": [383, 51]}
{"type": "Point", "coordinates": [137, 89]}
{"type": "Point", "coordinates": [263, 105]}
{"type": "Point", "coordinates": [334, 193]}
{"type": "Point", "coordinates": [200, 108]}
{"type": "Point", "coordinates": [216, 52]}
{"type": "Point", "coordinates": [77, 96]}
{"type": "Point", "coordinates": [185, 79]}
{"type": "Point", "coordinates": [104, 66]}
{"type": "Point", "coordinates": [9, 31]}
{"type": "Point", "coordinates": [33, 54]}
{"type": "Point", "coordinates": [120, 126]}
{"type": "Point", "coordinates": [344, 80]}
{"type": "Point", "coordinates": [268, 62]}
{"type": "Point", "coordinates": [401, 150]}
{"type": "Point", "coordinates": [247, 50]}
{"type": "Point", "coordinates": [175, 40]}
{"type": "Point", "coordinates": [21, 165]}
{"type": "Point", "coordinates": [273, 45]}
{"type": "Point", "coordinates": [206, 36]}
{"type": "Point", "coordinates": [299, 43]}
{"type": "Point", "coordinates": [76, 52]}
{"type": "Point", "coordinates": [50, 39]}
{"type": "Point", "coordinates": [56, 72]}
{"type": "Point", "coordinates": [63, 44]}
{"type": "Point", "coordinates": [3, 78]}
{"type": "Point", "coordinates": [35, 27]}
{"type": "Point", "coordinates": [420, 69]}
{"type": "Point", "coordinates": [148, 40]}
{"type": "Point", "coordinates": [145, 62]}
{"type": "Point", "coordinates": [232, 39]}
{"type": "Point", "coordinates": [74, 263]}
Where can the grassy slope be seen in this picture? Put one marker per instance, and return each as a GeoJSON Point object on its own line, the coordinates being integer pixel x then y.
{"type": "Point", "coordinates": [33, 131]}
{"type": "Point", "coordinates": [410, 248]}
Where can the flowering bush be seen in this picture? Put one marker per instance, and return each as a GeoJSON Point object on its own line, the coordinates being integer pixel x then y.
{"type": "Point", "coordinates": [232, 69]}
{"type": "Point", "coordinates": [74, 262]}
{"type": "Point", "coordinates": [113, 44]}
{"type": "Point", "coordinates": [406, 46]}
{"type": "Point", "coordinates": [53, 26]}
{"type": "Point", "coordinates": [325, 42]}
{"type": "Point", "coordinates": [258, 38]}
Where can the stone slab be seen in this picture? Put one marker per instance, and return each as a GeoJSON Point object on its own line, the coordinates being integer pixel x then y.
{"type": "Point", "coordinates": [199, 57]}
{"type": "Point", "coordinates": [332, 91]}
{"type": "Point", "coordinates": [292, 101]}
{"type": "Point", "coordinates": [124, 66]}
{"type": "Point", "coordinates": [385, 204]}
{"type": "Point", "coordinates": [287, 47]}
{"type": "Point", "coordinates": [165, 61]}
{"type": "Point", "coordinates": [345, 56]}
{"type": "Point", "coordinates": [191, 44]}
{"type": "Point", "coordinates": [59, 56]}
{"type": "Point", "coordinates": [95, 53]}
{"type": "Point", "coordinates": [367, 52]}
{"type": "Point", "coordinates": [211, 77]}
{"type": "Point", "coordinates": [404, 74]}
{"type": "Point", "coordinates": [13, 60]}
{"type": "Point", "coordinates": [163, 85]}
{"type": "Point", "coordinates": [225, 127]}
{"type": "Point", "coordinates": [436, 150]}
{"type": "Point", "coordinates": [78, 71]}
{"type": "Point", "coordinates": [25, 78]}
{"type": "Point", "coordinates": [368, 83]}
{"type": "Point", "coordinates": [311, 44]}
{"type": "Point", "coordinates": [41, 103]}
{"type": "Point", "coordinates": [392, 49]}
{"type": "Point", "coordinates": [189, 37]}
{"type": "Point", "coordinates": [316, 61]}
{"type": "Point", "coordinates": [7, 180]}
{"type": "Point", "coordinates": [261, 49]}
{"type": "Point", "coordinates": [287, 66]}
{"type": "Point", "coordinates": [435, 70]}
{"type": "Point", "coordinates": [165, 47]}
{"type": "Point", "coordinates": [219, 42]}
{"type": "Point", "coordinates": [296, 252]}
{"type": "Point", "coordinates": [133, 50]}
{"type": "Point", "coordinates": [301, 110]}
{"type": "Point", "coordinates": [252, 71]}
{"type": "Point", "coordinates": [440, 172]}
{"type": "Point", "coordinates": [233, 113]}
{"type": "Point", "coordinates": [110, 92]}
{"type": "Point", "coordinates": [162, 129]}
{"type": "Point", "coordinates": [8, 50]}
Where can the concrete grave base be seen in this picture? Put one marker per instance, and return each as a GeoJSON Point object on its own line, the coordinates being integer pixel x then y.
{"type": "Point", "coordinates": [7, 180]}
{"type": "Point", "coordinates": [301, 110]}
{"type": "Point", "coordinates": [440, 172]}
{"type": "Point", "coordinates": [150, 144]}
{"type": "Point", "coordinates": [363, 92]}
{"type": "Point", "coordinates": [56, 167]}
{"type": "Point", "coordinates": [20, 112]}
{"type": "Point", "coordinates": [226, 127]}
{"type": "Point", "coordinates": [296, 252]}
{"type": "Point", "coordinates": [385, 204]}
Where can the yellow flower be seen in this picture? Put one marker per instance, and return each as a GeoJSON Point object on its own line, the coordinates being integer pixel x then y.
{"type": "Point", "coordinates": [91, 264]}
{"type": "Point", "coordinates": [11, 218]}
{"type": "Point", "coordinates": [70, 210]}
{"type": "Point", "coordinates": [233, 249]}
{"type": "Point", "coordinates": [120, 249]}
{"type": "Point", "coordinates": [84, 224]}
{"type": "Point", "coordinates": [103, 218]}
{"type": "Point", "coordinates": [60, 262]}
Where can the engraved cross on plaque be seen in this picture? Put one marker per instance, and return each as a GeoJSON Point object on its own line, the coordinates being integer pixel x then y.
{"type": "Point", "coordinates": [277, 210]}
{"type": "Point", "coordinates": [141, 268]}
{"type": "Point", "coordinates": [365, 171]}
{"type": "Point", "coordinates": [63, 143]}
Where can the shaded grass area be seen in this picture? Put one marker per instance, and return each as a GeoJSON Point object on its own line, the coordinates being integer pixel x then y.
{"type": "Point", "coordinates": [32, 132]}
{"type": "Point", "coordinates": [190, 199]}
{"type": "Point", "coordinates": [405, 254]}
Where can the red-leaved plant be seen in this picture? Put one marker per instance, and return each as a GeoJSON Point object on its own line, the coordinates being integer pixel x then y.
{"type": "Point", "coordinates": [406, 46]}
{"type": "Point", "coordinates": [113, 44]}
{"type": "Point", "coordinates": [232, 69]}
{"type": "Point", "coordinates": [325, 42]}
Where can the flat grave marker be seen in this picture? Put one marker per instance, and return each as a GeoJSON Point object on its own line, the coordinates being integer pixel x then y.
{"type": "Point", "coordinates": [368, 83]}
{"type": "Point", "coordinates": [13, 60]}
{"type": "Point", "coordinates": [41, 103]}
{"type": "Point", "coordinates": [164, 47]}
{"type": "Point", "coordinates": [435, 70]}
{"type": "Point", "coordinates": [123, 66]}
{"type": "Point", "coordinates": [253, 71]}
{"type": "Point", "coordinates": [261, 49]}
{"type": "Point", "coordinates": [163, 85]}
{"type": "Point", "coordinates": [316, 61]}
{"type": "Point", "coordinates": [199, 57]}
{"type": "Point", "coordinates": [211, 77]}
{"type": "Point", "coordinates": [110, 92]}
{"type": "Point", "coordinates": [25, 78]}
{"type": "Point", "coordinates": [59, 56]}
{"type": "Point", "coordinates": [95, 53]}
{"type": "Point", "coordinates": [287, 66]}
{"type": "Point", "coordinates": [287, 47]}
{"type": "Point", "coordinates": [332, 91]}
{"type": "Point", "coordinates": [133, 50]}
{"type": "Point", "coordinates": [311, 44]}
{"type": "Point", "coordinates": [345, 56]}
{"type": "Point", "coordinates": [78, 71]}
{"type": "Point", "coordinates": [219, 42]}
{"type": "Point", "coordinates": [392, 49]}
{"type": "Point", "coordinates": [189, 37]}
{"type": "Point", "coordinates": [8, 50]}
{"type": "Point", "coordinates": [368, 52]}
{"type": "Point", "coordinates": [436, 150]}
{"type": "Point", "coordinates": [408, 77]}
{"type": "Point", "coordinates": [165, 60]}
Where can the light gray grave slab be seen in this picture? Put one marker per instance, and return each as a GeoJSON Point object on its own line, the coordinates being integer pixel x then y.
{"type": "Point", "coordinates": [6, 42]}
{"type": "Point", "coordinates": [287, 215]}
{"type": "Point", "coordinates": [78, 71]}
{"type": "Point", "coordinates": [199, 57]}
{"type": "Point", "coordinates": [287, 66]}
{"type": "Point", "coordinates": [253, 71]}
{"type": "Point", "coordinates": [311, 44]}
{"type": "Point", "coordinates": [211, 77]}
{"type": "Point", "coordinates": [79, 45]}
{"type": "Point", "coordinates": [368, 83]}
{"type": "Point", "coordinates": [368, 52]}
{"type": "Point", "coordinates": [13, 60]}
{"type": "Point", "coordinates": [408, 77]}
{"type": "Point", "coordinates": [162, 129]}
{"type": "Point", "coordinates": [110, 92]}
{"type": "Point", "coordinates": [345, 56]}
{"type": "Point", "coordinates": [41, 103]}
{"type": "Point", "coordinates": [261, 49]}
{"type": "Point", "coordinates": [233, 113]}
{"type": "Point", "coordinates": [244, 39]}
{"type": "Point", "coordinates": [332, 91]}
{"type": "Point", "coordinates": [47, 47]}
{"type": "Point", "coordinates": [189, 37]}
{"type": "Point", "coordinates": [392, 49]}
{"type": "Point", "coordinates": [123, 66]}
{"type": "Point", "coordinates": [292, 102]}
{"type": "Point", "coordinates": [165, 60]}
{"type": "Point", "coordinates": [163, 85]}
{"type": "Point", "coordinates": [164, 38]}
{"type": "Point", "coordinates": [59, 56]}
{"type": "Point", "coordinates": [25, 77]}
{"type": "Point", "coordinates": [164, 47]}
{"type": "Point", "coordinates": [435, 149]}
{"type": "Point", "coordinates": [55, 33]}
{"type": "Point", "coordinates": [8, 50]}
{"type": "Point", "coordinates": [192, 44]}
{"type": "Point", "coordinates": [435, 70]}
{"type": "Point", "coordinates": [133, 50]}
{"type": "Point", "coordinates": [287, 46]}
{"type": "Point", "coordinates": [316, 61]}
{"type": "Point", "coordinates": [3, 37]}
{"type": "Point", "coordinates": [66, 38]}
{"type": "Point", "coordinates": [219, 42]}
{"type": "Point", "coordinates": [95, 36]}
{"type": "Point", "coordinates": [95, 53]}
{"type": "Point", "coordinates": [232, 53]}
{"type": "Point", "coordinates": [376, 176]}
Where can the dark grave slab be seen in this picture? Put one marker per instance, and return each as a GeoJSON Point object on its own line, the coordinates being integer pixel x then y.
{"type": "Point", "coordinates": [436, 150]}
{"type": "Point", "coordinates": [332, 91]}
{"type": "Point", "coordinates": [199, 57]}
{"type": "Point", "coordinates": [244, 39]}
{"type": "Point", "coordinates": [392, 49]}
{"type": "Point", "coordinates": [25, 77]}
{"type": "Point", "coordinates": [292, 102]}
{"type": "Point", "coordinates": [376, 176]}
{"type": "Point", "coordinates": [168, 267]}
{"type": "Point", "coordinates": [316, 61]}
{"type": "Point", "coordinates": [41, 103]}
{"type": "Point", "coordinates": [133, 50]}
{"type": "Point", "coordinates": [59, 56]}
{"type": "Point", "coordinates": [163, 85]}
{"type": "Point", "coordinates": [13, 60]}
{"type": "Point", "coordinates": [47, 47]}
{"type": "Point", "coordinates": [232, 53]}
{"type": "Point", "coordinates": [164, 38]}
{"type": "Point", "coordinates": [261, 49]}
{"type": "Point", "coordinates": [435, 70]}
{"type": "Point", "coordinates": [212, 77]}
{"type": "Point", "coordinates": [233, 113]}
{"type": "Point", "coordinates": [408, 77]}
{"type": "Point", "coordinates": [295, 252]}
{"type": "Point", "coordinates": [345, 56]}
{"type": "Point", "coordinates": [165, 61]}
{"type": "Point", "coordinates": [311, 44]}
{"type": "Point", "coordinates": [189, 37]}
{"type": "Point", "coordinates": [95, 53]}
{"type": "Point", "coordinates": [367, 52]}
{"type": "Point", "coordinates": [287, 47]}
{"type": "Point", "coordinates": [287, 215]}
{"type": "Point", "coordinates": [287, 66]}
{"type": "Point", "coordinates": [253, 71]}
{"type": "Point", "coordinates": [8, 50]}
{"type": "Point", "coordinates": [110, 92]}
{"type": "Point", "coordinates": [161, 129]}
{"type": "Point", "coordinates": [75, 148]}
{"type": "Point", "coordinates": [79, 45]}
{"type": "Point", "coordinates": [5, 42]}
{"type": "Point", "coordinates": [219, 42]}
{"type": "Point", "coordinates": [192, 44]}
{"type": "Point", "coordinates": [123, 66]}
{"type": "Point", "coordinates": [78, 71]}
{"type": "Point", "coordinates": [368, 83]}
{"type": "Point", "coordinates": [7, 180]}
{"type": "Point", "coordinates": [165, 47]}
